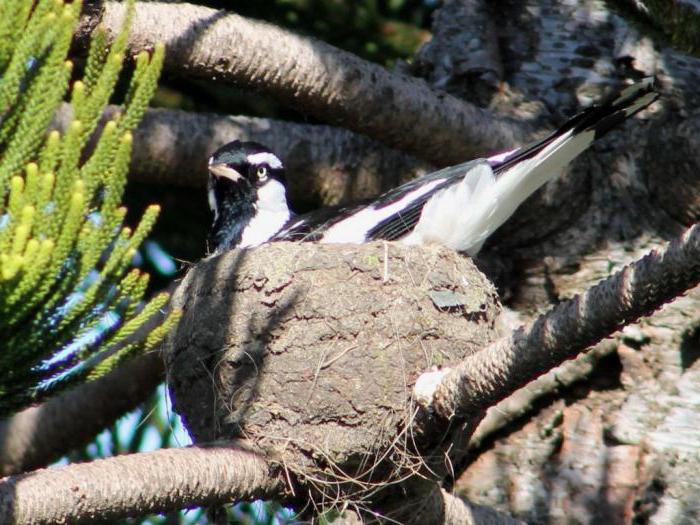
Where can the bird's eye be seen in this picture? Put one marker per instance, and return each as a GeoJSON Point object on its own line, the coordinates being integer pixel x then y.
{"type": "Point", "coordinates": [261, 172]}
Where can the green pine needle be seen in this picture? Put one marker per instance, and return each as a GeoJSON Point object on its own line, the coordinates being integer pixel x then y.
{"type": "Point", "coordinates": [70, 308]}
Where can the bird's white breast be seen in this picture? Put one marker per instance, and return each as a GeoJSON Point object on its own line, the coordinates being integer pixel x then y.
{"type": "Point", "coordinates": [271, 214]}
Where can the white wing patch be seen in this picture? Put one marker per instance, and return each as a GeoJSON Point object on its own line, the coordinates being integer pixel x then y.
{"type": "Point", "coordinates": [265, 158]}
{"type": "Point", "coordinates": [462, 216]}
{"type": "Point", "coordinates": [459, 216]}
{"type": "Point", "coordinates": [354, 229]}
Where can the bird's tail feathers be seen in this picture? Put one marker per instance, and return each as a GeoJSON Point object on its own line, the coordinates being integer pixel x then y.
{"type": "Point", "coordinates": [455, 216]}
{"type": "Point", "coordinates": [519, 175]}
{"type": "Point", "coordinates": [592, 123]}
{"type": "Point", "coordinates": [490, 198]}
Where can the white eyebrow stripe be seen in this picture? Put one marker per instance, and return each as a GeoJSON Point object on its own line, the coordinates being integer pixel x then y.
{"type": "Point", "coordinates": [265, 158]}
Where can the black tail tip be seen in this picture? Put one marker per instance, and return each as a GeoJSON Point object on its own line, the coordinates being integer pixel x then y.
{"type": "Point", "coordinates": [622, 106]}
{"type": "Point", "coordinates": [636, 91]}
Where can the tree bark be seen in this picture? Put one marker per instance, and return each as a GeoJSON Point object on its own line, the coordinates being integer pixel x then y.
{"type": "Point", "coordinates": [619, 448]}
{"type": "Point", "coordinates": [315, 78]}
{"type": "Point", "coordinates": [613, 448]}
{"type": "Point", "coordinates": [679, 21]}
{"type": "Point", "coordinates": [325, 165]}
{"type": "Point", "coordinates": [137, 484]}
{"type": "Point", "coordinates": [487, 377]}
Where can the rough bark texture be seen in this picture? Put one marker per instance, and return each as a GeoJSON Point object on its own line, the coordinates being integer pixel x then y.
{"type": "Point", "coordinates": [316, 78]}
{"type": "Point", "coordinates": [39, 435]}
{"type": "Point", "coordinates": [619, 445]}
{"type": "Point", "coordinates": [325, 165]}
{"type": "Point", "coordinates": [638, 289]}
{"type": "Point", "coordinates": [311, 352]}
{"type": "Point", "coordinates": [136, 484]}
{"type": "Point", "coordinates": [629, 436]}
{"type": "Point", "coordinates": [679, 21]}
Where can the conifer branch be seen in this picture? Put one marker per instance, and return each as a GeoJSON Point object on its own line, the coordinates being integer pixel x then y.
{"type": "Point", "coordinates": [334, 163]}
{"type": "Point", "coordinates": [39, 435]}
{"type": "Point", "coordinates": [138, 484]}
{"type": "Point", "coordinates": [64, 295]}
{"type": "Point", "coordinates": [315, 78]}
{"type": "Point", "coordinates": [641, 288]}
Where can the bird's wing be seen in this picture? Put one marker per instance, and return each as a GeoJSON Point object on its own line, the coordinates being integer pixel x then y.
{"type": "Point", "coordinates": [391, 216]}
{"type": "Point", "coordinates": [310, 226]}
{"type": "Point", "coordinates": [461, 205]}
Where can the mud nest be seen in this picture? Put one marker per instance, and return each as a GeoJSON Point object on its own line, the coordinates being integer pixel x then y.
{"type": "Point", "coordinates": [310, 352]}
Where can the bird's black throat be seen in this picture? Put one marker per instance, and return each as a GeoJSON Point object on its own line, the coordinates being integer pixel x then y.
{"type": "Point", "coordinates": [234, 210]}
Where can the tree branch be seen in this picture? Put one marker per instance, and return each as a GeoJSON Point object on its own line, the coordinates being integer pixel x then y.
{"type": "Point", "coordinates": [679, 21]}
{"type": "Point", "coordinates": [326, 165]}
{"type": "Point", "coordinates": [138, 484]}
{"type": "Point", "coordinates": [39, 435]}
{"type": "Point", "coordinates": [642, 287]}
{"type": "Point", "coordinates": [314, 77]}
{"type": "Point", "coordinates": [522, 401]}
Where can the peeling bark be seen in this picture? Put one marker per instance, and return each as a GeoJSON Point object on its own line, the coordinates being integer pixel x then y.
{"type": "Point", "coordinates": [633, 192]}
{"type": "Point", "coordinates": [482, 380]}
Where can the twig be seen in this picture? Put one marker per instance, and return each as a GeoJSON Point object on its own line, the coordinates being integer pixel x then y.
{"type": "Point", "coordinates": [333, 359]}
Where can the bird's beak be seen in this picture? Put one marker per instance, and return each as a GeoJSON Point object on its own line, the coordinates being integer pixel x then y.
{"type": "Point", "coordinates": [222, 170]}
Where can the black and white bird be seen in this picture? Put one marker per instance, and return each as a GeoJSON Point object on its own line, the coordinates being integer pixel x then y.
{"type": "Point", "coordinates": [458, 207]}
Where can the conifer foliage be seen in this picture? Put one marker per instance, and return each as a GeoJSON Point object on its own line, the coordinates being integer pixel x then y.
{"type": "Point", "coordinates": [70, 309]}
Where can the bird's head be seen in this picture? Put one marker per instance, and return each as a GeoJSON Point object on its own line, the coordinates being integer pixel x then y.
{"type": "Point", "coordinates": [240, 170]}
{"type": "Point", "coordinates": [245, 180]}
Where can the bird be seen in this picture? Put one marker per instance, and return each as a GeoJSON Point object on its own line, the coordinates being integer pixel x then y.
{"type": "Point", "coordinates": [458, 207]}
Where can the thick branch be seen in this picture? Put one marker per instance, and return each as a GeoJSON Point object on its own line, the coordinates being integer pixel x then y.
{"type": "Point", "coordinates": [326, 165]}
{"type": "Point", "coordinates": [137, 484]}
{"type": "Point", "coordinates": [316, 78]}
{"type": "Point", "coordinates": [39, 435]}
{"type": "Point", "coordinates": [553, 382]}
{"type": "Point", "coordinates": [639, 289]}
